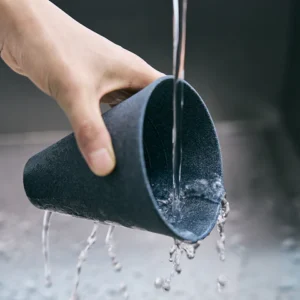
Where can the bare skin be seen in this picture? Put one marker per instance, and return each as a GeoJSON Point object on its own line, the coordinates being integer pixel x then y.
{"type": "Point", "coordinates": [75, 66]}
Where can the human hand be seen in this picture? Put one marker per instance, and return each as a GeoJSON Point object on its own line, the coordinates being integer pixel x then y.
{"type": "Point", "coordinates": [75, 66]}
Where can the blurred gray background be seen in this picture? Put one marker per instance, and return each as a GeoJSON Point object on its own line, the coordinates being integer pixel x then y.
{"type": "Point", "coordinates": [237, 54]}
{"type": "Point", "coordinates": [242, 57]}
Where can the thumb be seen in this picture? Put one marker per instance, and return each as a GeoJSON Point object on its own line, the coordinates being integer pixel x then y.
{"type": "Point", "coordinates": [92, 136]}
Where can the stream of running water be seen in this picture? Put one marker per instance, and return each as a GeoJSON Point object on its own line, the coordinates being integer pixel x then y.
{"type": "Point", "coordinates": [82, 258]}
{"type": "Point", "coordinates": [109, 242]}
{"type": "Point", "coordinates": [224, 212]}
{"type": "Point", "coordinates": [45, 244]}
{"type": "Point", "coordinates": [179, 43]}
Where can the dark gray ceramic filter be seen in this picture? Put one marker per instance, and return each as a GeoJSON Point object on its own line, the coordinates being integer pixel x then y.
{"type": "Point", "coordinates": [58, 178]}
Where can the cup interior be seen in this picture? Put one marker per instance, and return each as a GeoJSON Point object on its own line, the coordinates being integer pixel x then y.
{"type": "Point", "coordinates": [201, 185]}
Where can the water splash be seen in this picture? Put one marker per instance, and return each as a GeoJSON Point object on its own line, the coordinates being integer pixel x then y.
{"type": "Point", "coordinates": [82, 258]}
{"type": "Point", "coordinates": [200, 194]}
{"type": "Point", "coordinates": [176, 251]}
{"type": "Point", "coordinates": [45, 244]}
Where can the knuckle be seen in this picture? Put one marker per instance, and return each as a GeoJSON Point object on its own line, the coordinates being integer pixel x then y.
{"type": "Point", "coordinates": [66, 85]}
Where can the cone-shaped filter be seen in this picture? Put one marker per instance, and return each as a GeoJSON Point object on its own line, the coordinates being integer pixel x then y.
{"type": "Point", "coordinates": [138, 194]}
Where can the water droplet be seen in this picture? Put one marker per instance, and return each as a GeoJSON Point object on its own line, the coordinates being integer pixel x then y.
{"type": "Point", "coordinates": [118, 267]}
{"type": "Point", "coordinates": [158, 282]}
{"type": "Point", "coordinates": [166, 285]}
{"type": "Point", "coordinates": [221, 282]}
{"type": "Point", "coordinates": [178, 268]}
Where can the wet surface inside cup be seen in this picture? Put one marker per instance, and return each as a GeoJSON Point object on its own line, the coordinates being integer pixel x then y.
{"type": "Point", "coordinates": [201, 182]}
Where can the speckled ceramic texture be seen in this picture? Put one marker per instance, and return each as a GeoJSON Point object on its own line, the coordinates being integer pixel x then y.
{"type": "Point", "coordinates": [58, 178]}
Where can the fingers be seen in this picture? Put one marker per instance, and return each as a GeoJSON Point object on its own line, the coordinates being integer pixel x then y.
{"type": "Point", "coordinates": [127, 75]}
{"type": "Point", "coordinates": [140, 73]}
{"type": "Point", "coordinates": [92, 136]}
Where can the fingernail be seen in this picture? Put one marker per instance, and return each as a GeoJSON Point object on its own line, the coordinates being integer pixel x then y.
{"type": "Point", "coordinates": [101, 162]}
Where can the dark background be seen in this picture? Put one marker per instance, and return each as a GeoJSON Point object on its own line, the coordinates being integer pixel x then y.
{"type": "Point", "coordinates": [237, 55]}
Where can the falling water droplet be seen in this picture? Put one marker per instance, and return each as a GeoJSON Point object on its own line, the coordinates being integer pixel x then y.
{"type": "Point", "coordinates": [167, 284]}
{"type": "Point", "coordinates": [158, 282]}
{"type": "Point", "coordinates": [124, 291]}
{"type": "Point", "coordinates": [221, 282]}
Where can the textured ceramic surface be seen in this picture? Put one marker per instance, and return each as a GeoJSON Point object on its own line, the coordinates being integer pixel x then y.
{"type": "Point", "coordinates": [58, 178]}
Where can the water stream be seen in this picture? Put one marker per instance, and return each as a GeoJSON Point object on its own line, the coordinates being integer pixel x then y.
{"type": "Point", "coordinates": [82, 257]}
{"type": "Point", "coordinates": [45, 244]}
{"type": "Point", "coordinates": [109, 242]}
{"type": "Point", "coordinates": [224, 212]}
{"type": "Point", "coordinates": [111, 249]}
{"type": "Point", "coordinates": [179, 42]}
{"type": "Point", "coordinates": [225, 209]}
